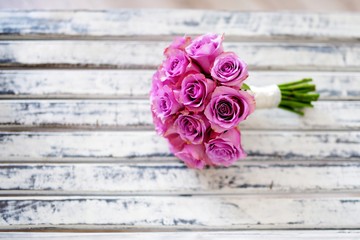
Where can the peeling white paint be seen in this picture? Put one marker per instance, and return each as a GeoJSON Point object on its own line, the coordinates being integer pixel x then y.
{"type": "Point", "coordinates": [136, 114]}
{"type": "Point", "coordinates": [305, 145]}
{"type": "Point", "coordinates": [136, 83]}
{"type": "Point", "coordinates": [157, 23]}
{"type": "Point", "coordinates": [148, 54]}
{"type": "Point", "coordinates": [175, 178]}
{"type": "Point", "coordinates": [204, 212]}
{"type": "Point", "coordinates": [193, 235]}
{"type": "Point", "coordinates": [267, 194]}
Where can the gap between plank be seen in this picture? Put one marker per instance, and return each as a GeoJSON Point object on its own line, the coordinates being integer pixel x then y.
{"type": "Point", "coordinates": [300, 195]}
{"type": "Point", "coordinates": [66, 66]}
{"type": "Point", "coordinates": [170, 160]}
{"type": "Point", "coordinates": [91, 228]}
{"type": "Point", "coordinates": [87, 128]}
{"type": "Point", "coordinates": [163, 38]}
{"type": "Point", "coordinates": [29, 194]}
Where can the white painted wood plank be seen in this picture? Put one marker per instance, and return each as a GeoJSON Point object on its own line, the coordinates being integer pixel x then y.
{"type": "Point", "coordinates": [148, 54]}
{"type": "Point", "coordinates": [324, 116]}
{"type": "Point", "coordinates": [194, 235]}
{"type": "Point", "coordinates": [136, 83]}
{"type": "Point", "coordinates": [174, 178]}
{"type": "Point", "coordinates": [196, 212]}
{"type": "Point", "coordinates": [155, 23]}
{"type": "Point", "coordinates": [307, 145]}
{"type": "Point", "coordinates": [77, 83]}
{"type": "Point", "coordinates": [93, 113]}
{"type": "Point", "coordinates": [136, 114]}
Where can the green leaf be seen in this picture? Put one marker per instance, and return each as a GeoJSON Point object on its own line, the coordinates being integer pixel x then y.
{"type": "Point", "coordinates": [245, 87]}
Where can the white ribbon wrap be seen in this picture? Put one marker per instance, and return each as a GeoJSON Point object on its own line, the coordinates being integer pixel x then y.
{"type": "Point", "coordinates": [266, 97]}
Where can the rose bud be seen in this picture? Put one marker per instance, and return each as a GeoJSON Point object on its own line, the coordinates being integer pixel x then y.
{"type": "Point", "coordinates": [156, 84]}
{"type": "Point", "coordinates": [192, 156]}
{"type": "Point", "coordinates": [179, 43]}
{"type": "Point", "coordinates": [229, 70]}
{"type": "Point", "coordinates": [176, 144]}
{"type": "Point", "coordinates": [204, 49]}
{"type": "Point", "coordinates": [228, 107]}
{"type": "Point", "coordinates": [195, 91]}
{"type": "Point", "coordinates": [160, 127]}
{"type": "Point", "coordinates": [225, 149]}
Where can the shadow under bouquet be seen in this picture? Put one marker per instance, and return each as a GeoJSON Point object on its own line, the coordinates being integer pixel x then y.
{"type": "Point", "coordinates": [198, 98]}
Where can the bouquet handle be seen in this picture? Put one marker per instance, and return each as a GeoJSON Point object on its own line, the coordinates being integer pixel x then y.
{"type": "Point", "coordinates": [292, 96]}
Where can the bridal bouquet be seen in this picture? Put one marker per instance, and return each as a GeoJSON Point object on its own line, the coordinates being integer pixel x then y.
{"type": "Point", "coordinates": [198, 98]}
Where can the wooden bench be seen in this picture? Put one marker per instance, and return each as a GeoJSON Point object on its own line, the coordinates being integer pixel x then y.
{"type": "Point", "coordinates": [78, 151]}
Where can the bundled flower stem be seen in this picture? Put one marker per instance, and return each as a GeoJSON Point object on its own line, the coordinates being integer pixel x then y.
{"type": "Point", "coordinates": [295, 96]}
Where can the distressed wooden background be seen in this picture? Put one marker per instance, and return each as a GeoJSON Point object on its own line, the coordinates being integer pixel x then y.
{"type": "Point", "coordinates": [78, 151]}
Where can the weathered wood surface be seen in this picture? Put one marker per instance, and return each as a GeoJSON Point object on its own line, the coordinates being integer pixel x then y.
{"type": "Point", "coordinates": [304, 145]}
{"type": "Point", "coordinates": [77, 149]}
{"type": "Point", "coordinates": [160, 23]}
{"type": "Point", "coordinates": [182, 212]}
{"type": "Point", "coordinates": [148, 54]}
{"type": "Point", "coordinates": [136, 83]}
{"type": "Point", "coordinates": [122, 114]}
{"type": "Point", "coordinates": [245, 177]}
{"type": "Point", "coordinates": [198, 235]}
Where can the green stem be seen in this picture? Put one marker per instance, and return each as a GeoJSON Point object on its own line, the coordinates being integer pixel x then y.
{"type": "Point", "coordinates": [295, 104]}
{"type": "Point", "coordinates": [302, 98]}
{"type": "Point", "coordinates": [303, 86]}
{"type": "Point", "coordinates": [296, 82]}
{"type": "Point", "coordinates": [293, 99]}
{"type": "Point", "coordinates": [297, 95]}
{"type": "Point", "coordinates": [313, 96]}
{"type": "Point", "coordinates": [291, 110]}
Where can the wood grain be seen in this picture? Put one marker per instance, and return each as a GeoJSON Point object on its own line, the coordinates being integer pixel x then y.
{"type": "Point", "coordinates": [78, 152]}
{"type": "Point", "coordinates": [123, 114]}
{"type": "Point", "coordinates": [174, 212]}
{"type": "Point", "coordinates": [245, 177]}
{"type": "Point", "coordinates": [158, 24]}
{"type": "Point", "coordinates": [148, 54]}
{"type": "Point", "coordinates": [116, 145]}
{"type": "Point", "coordinates": [194, 235]}
{"type": "Point", "coordinates": [136, 83]}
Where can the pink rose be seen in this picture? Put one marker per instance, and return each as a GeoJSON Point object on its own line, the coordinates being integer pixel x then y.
{"type": "Point", "coordinates": [160, 127]}
{"type": "Point", "coordinates": [176, 65]}
{"type": "Point", "coordinates": [229, 70]}
{"type": "Point", "coordinates": [204, 49]}
{"type": "Point", "coordinates": [161, 124]}
{"type": "Point", "coordinates": [156, 84]}
{"type": "Point", "coordinates": [179, 43]}
{"type": "Point", "coordinates": [195, 91]}
{"type": "Point", "coordinates": [191, 128]}
{"type": "Point", "coordinates": [228, 107]}
{"type": "Point", "coordinates": [176, 143]}
{"type": "Point", "coordinates": [225, 149]}
{"type": "Point", "coordinates": [193, 156]}
{"type": "Point", "coordinates": [164, 102]}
